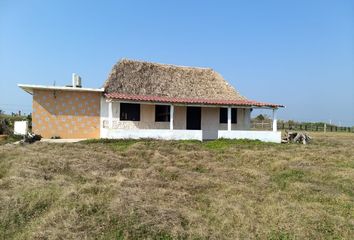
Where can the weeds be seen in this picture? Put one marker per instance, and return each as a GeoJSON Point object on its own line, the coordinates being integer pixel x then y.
{"type": "Point", "coordinates": [223, 189]}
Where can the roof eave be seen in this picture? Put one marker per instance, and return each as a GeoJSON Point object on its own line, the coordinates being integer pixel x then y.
{"type": "Point", "coordinates": [194, 102]}
{"type": "Point", "coordinates": [30, 88]}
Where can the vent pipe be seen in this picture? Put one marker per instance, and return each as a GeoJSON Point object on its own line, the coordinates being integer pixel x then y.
{"type": "Point", "coordinates": [76, 80]}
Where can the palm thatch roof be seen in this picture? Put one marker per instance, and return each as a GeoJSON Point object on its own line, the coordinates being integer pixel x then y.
{"type": "Point", "coordinates": [164, 80]}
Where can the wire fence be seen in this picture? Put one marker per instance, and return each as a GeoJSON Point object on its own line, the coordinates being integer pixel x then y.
{"type": "Point", "coordinates": [312, 127]}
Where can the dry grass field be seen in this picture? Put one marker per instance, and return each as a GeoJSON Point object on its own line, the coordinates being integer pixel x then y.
{"type": "Point", "coordinates": [178, 190]}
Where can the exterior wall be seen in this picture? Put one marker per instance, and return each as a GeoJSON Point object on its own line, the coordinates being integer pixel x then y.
{"type": "Point", "coordinates": [164, 134]}
{"type": "Point", "coordinates": [67, 114]}
{"type": "Point", "coordinates": [180, 117]}
{"type": "Point", "coordinates": [147, 118]}
{"type": "Point", "coordinates": [265, 136]}
{"type": "Point", "coordinates": [209, 120]}
{"type": "Point", "coordinates": [243, 120]}
{"type": "Point", "coordinates": [211, 125]}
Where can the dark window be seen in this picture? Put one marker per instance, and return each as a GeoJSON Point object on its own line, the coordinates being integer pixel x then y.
{"type": "Point", "coordinates": [223, 115]}
{"type": "Point", "coordinates": [194, 116]}
{"type": "Point", "coordinates": [162, 113]}
{"type": "Point", "coordinates": [233, 115]}
{"type": "Point", "coordinates": [129, 112]}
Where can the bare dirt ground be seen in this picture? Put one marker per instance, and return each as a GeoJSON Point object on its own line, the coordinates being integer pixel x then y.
{"type": "Point", "coordinates": [178, 190]}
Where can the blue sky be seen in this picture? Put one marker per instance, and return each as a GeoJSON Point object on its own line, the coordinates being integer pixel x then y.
{"type": "Point", "coordinates": [296, 53]}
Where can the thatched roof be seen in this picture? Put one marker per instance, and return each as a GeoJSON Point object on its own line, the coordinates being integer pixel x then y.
{"type": "Point", "coordinates": [163, 80]}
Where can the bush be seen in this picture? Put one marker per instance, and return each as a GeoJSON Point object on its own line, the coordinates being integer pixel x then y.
{"type": "Point", "coordinates": [7, 123]}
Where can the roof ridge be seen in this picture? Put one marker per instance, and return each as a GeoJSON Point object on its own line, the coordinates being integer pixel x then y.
{"type": "Point", "coordinates": [164, 64]}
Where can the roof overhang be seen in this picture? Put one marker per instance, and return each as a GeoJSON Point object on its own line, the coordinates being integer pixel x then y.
{"type": "Point", "coordinates": [30, 88]}
{"type": "Point", "coordinates": [190, 101]}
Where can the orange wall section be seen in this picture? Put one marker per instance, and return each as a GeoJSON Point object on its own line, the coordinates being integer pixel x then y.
{"type": "Point", "coordinates": [67, 114]}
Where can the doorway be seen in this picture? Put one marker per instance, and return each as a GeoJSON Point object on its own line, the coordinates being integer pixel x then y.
{"type": "Point", "coordinates": [194, 118]}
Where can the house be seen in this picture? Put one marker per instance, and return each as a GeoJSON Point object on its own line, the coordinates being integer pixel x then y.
{"type": "Point", "coordinates": [148, 100]}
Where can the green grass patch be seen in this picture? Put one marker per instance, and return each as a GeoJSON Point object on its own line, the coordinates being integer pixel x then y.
{"type": "Point", "coordinates": [221, 144]}
{"type": "Point", "coordinates": [280, 235]}
{"type": "Point", "coordinates": [283, 178]}
{"type": "Point", "coordinates": [24, 208]}
{"type": "Point", "coordinates": [116, 144]}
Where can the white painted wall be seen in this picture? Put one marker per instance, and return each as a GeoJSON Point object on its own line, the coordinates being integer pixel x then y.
{"type": "Point", "coordinates": [265, 136]}
{"type": "Point", "coordinates": [20, 127]}
{"type": "Point", "coordinates": [154, 134]}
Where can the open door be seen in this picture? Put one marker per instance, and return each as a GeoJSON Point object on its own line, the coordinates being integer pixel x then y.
{"type": "Point", "coordinates": [194, 118]}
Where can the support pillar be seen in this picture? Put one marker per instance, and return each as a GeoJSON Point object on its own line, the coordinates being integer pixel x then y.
{"type": "Point", "coordinates": [275, 124]}
{"type": "Point", "coordinates": [229, 119]}
{"type": "Point", "coordinates": [171, 116]}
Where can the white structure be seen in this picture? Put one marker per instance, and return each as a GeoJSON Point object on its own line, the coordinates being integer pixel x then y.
{"type": "Point", "coordinates": [20, 127]}
{"type": "Point", "coordinates": [265, 136]}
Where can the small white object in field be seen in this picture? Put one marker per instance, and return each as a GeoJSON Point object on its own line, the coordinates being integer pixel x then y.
{"type": "Point", "coordinates": [20, 127]}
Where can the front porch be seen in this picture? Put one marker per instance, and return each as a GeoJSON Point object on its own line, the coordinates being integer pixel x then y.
{"type": "Point", "coordinates": [181, 122]}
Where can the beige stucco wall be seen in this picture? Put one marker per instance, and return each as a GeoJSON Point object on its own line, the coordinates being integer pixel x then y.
{"type": "Point", "coordinates": [67, 114]}
{"type": "Point", "coordinates": [210, 121]}
{"type": "Point", "coordinates": [180, 117]}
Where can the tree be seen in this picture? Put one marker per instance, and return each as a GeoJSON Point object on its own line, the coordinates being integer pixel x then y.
{"type": "Point", "coordinates": [260, 117]}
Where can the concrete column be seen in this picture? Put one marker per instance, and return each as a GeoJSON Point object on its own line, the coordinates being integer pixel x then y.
{"type": "Point", "coordinates": [275, 128]}
{"type": "Point", "coordinates": [171, 116]}
{"type": "Point", "coordinates": [229, 119]}
{"type": "Point", "coordinates": [110, 114]}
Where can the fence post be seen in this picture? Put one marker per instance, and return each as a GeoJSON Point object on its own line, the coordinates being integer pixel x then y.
{"type": "Point", "coordinates": [325, 127]}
